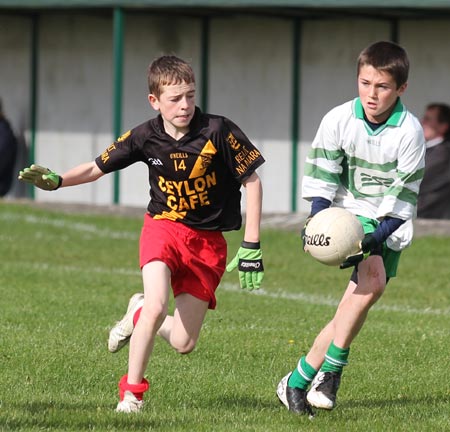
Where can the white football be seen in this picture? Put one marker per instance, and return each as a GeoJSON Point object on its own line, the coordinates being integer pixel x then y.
{"type": "Point", "coordinates": [332, 235]}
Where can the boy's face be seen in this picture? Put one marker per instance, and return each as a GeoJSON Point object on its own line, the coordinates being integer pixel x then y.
{"type": "Point", "coordinates": [176, 105]}
{"type": "Point", "coordinates": [378, 93]}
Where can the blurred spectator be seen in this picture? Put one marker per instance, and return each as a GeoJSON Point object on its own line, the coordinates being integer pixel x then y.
{"type": "Point", "coordinates": [8, 154]}
{"type": "Point", "coordinates": [434, 195]}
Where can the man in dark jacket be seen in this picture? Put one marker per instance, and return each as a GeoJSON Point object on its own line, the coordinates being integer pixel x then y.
{"type": "Point", "coordinates": [434, 195]}
{"type": "Point", "coordinates": [8, 154]}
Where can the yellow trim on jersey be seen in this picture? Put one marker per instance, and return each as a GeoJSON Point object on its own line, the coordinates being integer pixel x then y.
{"type": "Point", "coordinates": [172, 215]}
{"type": "Point", "coordinates": [124, 136]}
{"type": "Point", "coordinates": [204, 160]}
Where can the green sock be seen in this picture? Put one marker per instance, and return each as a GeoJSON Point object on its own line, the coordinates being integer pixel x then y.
{"type": "Point", "coordinates": [335, 359]}
{"type": "Point", "coordinates": [302, 375]}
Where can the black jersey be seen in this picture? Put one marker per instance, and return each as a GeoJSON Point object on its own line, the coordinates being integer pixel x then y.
{"type": "Point", "coordinates": [195, 180]}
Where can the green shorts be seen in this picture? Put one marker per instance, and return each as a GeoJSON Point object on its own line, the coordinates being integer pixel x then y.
{"type": "Point", "coordinates": [390, 257]}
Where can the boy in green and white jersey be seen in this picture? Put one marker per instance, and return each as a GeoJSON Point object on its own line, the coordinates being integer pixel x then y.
{"type": "Point", "coordinates": [367, 157]}
{"type": "Point", "coordinates": [370, 172]}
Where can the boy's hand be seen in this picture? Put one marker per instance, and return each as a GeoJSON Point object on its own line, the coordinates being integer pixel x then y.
{"type": "Point", "coordinates": [368, 244]}
{"type": "Point", "coordinates": [251, 269]}
{"type": "Point", "coordinates": [41, 177]}
{"type": "Point", "coordinates": [352, 260]}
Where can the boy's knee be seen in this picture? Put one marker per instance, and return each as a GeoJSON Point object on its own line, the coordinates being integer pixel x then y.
{"type": "Point", "coordinates": [183, 347]}
{"type": "Point", "coordinates": [373, 281]}
{"type": "Point", "coordinates": [377, 286]}
{"type": "Point", "coordinates": [155, 314]}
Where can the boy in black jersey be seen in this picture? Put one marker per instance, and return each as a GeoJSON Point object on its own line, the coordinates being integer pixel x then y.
{"type": "Point", "coordinates": [197, 164]}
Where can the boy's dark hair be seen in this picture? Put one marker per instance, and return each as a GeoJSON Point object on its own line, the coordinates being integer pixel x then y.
{"type": "Point", "coordinates": [387, 57]}
{"type": "Point", "coordinates": [166, 70]}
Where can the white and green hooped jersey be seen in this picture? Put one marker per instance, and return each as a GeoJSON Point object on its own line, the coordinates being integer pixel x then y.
{"type": "Point", "coordinates": [372, 173]}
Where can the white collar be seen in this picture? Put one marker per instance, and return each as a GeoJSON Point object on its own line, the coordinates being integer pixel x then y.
{"type": "Point", "coordinates": [434, 142]}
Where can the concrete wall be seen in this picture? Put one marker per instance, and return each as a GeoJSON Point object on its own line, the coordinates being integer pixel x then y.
{"type": "Point", "coordinates": [249, 81]}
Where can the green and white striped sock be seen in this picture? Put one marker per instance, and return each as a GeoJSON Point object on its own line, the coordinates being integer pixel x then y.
{"type": "Point", "coordinates": [335, 359]}
{"type": "Point", "coordinates": [302, 375]}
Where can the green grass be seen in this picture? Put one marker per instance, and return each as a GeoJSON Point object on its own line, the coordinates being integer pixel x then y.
{"type": "Point", "coordinates": [64, 279]}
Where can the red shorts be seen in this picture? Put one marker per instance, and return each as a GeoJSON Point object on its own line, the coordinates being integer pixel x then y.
{"type": "Point", "coordinates": [196, 258]}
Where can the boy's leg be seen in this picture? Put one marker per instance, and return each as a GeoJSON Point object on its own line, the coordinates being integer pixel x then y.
{"type": "Point", "coordinates": [316, 354]}
{"type": "Point", "coordinates": [156, 277]}
{"type": "Point", "coordinates": [331, 347]}
{"type": "Point", "coordinates": [183, 329]}
{"type": "Point", "coordinates": [187, 329]}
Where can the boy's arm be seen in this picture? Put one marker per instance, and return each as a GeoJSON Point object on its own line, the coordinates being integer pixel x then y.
{"type": "Point", "coordinates": [46, 179]}
{"type": "Point", "coordinates": [249, 256]}
{"type": "Point", "coordinates": [253, 208]}
{"type": "Point", "coordinates": [84, 173]}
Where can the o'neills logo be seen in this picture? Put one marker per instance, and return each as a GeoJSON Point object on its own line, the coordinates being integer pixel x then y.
{"type": "Point", "coordinates": [253, 265]}
{"type": "Point", "coordinates": [318, 240]}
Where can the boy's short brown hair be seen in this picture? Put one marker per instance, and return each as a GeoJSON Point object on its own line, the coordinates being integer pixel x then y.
{"type": "Point", "coordinates": [387, 57]}
{"type": "Point", "coordinates": [168, 69]}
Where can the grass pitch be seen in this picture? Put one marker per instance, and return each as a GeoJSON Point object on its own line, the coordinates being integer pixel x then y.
{"type": "Point", "coordinates": [65, 279]}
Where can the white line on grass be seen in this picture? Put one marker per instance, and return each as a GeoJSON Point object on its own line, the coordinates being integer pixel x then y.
{"type": "Point", "coordinates": [329, 301]}
{"type": "Point", "coordinates": [230, 287]}
{"type": "Point", "coordinates": [65, 224]}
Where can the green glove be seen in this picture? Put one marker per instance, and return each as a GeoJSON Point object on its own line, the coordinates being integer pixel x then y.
{"type": "Point", "coordinates": [41, 177]}
{"type": "Point", "coordinates": [368, 244]}
{"type": "Point", "coordinates": [251, 269]}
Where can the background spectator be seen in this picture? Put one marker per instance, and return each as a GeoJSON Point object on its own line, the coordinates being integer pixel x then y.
{"type": "Point", "coordinates": [8, 154]}
{"type": "Point", "coordinates": [434, 195]}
